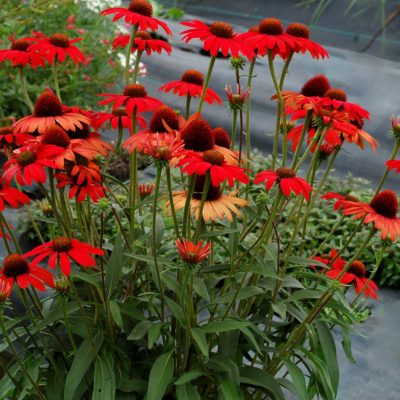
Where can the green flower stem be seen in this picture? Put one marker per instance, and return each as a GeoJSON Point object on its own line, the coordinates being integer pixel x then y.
{"type": "Point", "coordinates": [201, 207]}
{"type": "Point", "coordinates": [171, 200]}
{"type": "Point", "coordinates": [281, 113]}
{"type": "Point", "coordinates": [248, 114]}
{"type": "Point", "coordinates": [188, 100]}
{"type": "Point", "coordinates": [313, 141]}
{"type": "Point", "coordinates": [33, 222]}
{"type": "Point", "coordinates": [17, 358]}
{"type": "Point", "coordinates": [133, 182]}
{"type": "Point", "coordinates": [154, 242]}
{"type": "Point", "coordinates": [55, 78]}
{"type": "Point", "coordinates": [24, 89]}
{"type": "Point", "coordinates": [8, 373]}
{"type": "Point", "coordinates": [331, 233]}
{"type": "Point", "coordinates": [314, 160]}
{"type": "Point", "coordinates": [285, 70]}
{"type": "Point", "coordinates": [306, 124]}
{"type": "Point", "coordinates": [385, 175]}
{"type": "Point", "coordinates": [63, 302]}
{"type": "Point", "coordinates": [3, 235]}
{"type": "Point", "coordinates": [206, 82]}
{"type": "Point", "coordinates": [120, 136]}
{"type": "Point", "coordinates": [234, 129]}
{"type": "Point", "coordinates": [128, 52]}
{"type": "Point", "coordinates": [136, 68]}
{"type": "Point", "coordinates": [371, 276]}
{"type": "Point", "coordinates": [4, 223]}
{"type": "Point", "coordinates": [186, 211]}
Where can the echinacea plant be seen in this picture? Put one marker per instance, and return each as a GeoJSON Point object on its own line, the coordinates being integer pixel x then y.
{"type": "Point", "coordinates": [196, 285]}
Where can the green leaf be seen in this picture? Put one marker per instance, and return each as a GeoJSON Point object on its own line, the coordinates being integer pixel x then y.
{"type": "Point", "coordinates": [114, 265]}
{"type": "Point", "coordinates": [304, 294]}
{"type": "Point", "coordinates": [176, 310]}
{"type": "Point", "coordinates": [201, 289]}
{"type": "Point", "coordinates": [218, 233]}
{"type": "Point", "coordinates": [187, 392]}
{"type": "Point", "coordinates": [346, 344]}
{"type": "Point", "coordinates": [260, 378]}
{"type": "Point", "coordinates": [280, 309]}
{"type": "Point", "coordinates": [188, 376]}
{"type": "Point", "coordinates": [223, 326]}
{"type": "Point", "coordinates": [328, 347]}
{"type": "Point", "coordinates": [200, 339]}
{"type": "Point", "coordinates": [140, 330]}
{"type": "Point", "coordinates": [226, 365]}
{"type": "Point", "coordinates": [229, 391]}
{"type": "Point", "coordinates": [244, 293]}
{"type": "Point", "coordinates": [104, 377]}
{"type": "Point", "coordinates": [116, 314]}
{"type": "Point", "coordinates": [84, 356]}
{"type": "Point", "coordinates": [153, 334]}
{"type": "Point", "coordinates": [161, 374]}
{"type": "Point", "coordinates": [299, 381]}
{"type": "Point", "coordinates": [305, 261]}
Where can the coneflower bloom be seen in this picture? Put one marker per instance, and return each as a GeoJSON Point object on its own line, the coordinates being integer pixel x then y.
{"type": "Point", "coordinates": [57, 48]}
{"type": "Point", "coordinates": [270, 36]}
{"type": "Point", "coordinates": [356, 276]}
{"type": "Point", "coordinates": [12, 197]}
{"type": "Point", "coordinates": [381, 211]}
{"type": "Point", "coordinates": [221, 137]}
{"type": "Point", "coordinates": [143, 42]}
{"type": "Point", "coordinates": [335, 267]}
{"type": "Point", "coordinates": [29, 163]}
{"type": "Point", "coordinates": [217, 37]}
{"type": "Point", "coordinates": [236, 100]}
{"type": "Point", "coordinates": [146, 189]}
{"type": "Point", "coordinates": [212, 161]}
{"type": "Point", "coordinates": [191, 84]}
{"type": "Point", "coordinates": [16, 269]}
{"type": "Point", "coordinates": [303, 43]}
{"type": "Point", "coordinates": [138, 12]}
{"type": "Point", "coordinates": [192, 253]}
{"type": "Point", "coordinates": [216, 206]}
{"type": "Point", "coordinates": [9, 140]}
{"type": "Point", "coordinates": [359, 136]}
{"type": "Point", "coordinates": [61, 250]}
{"type": "Point", "coordinates": [162, 146]}
{"type": "Point", "coordinates": [393, 164]}
{"type": "Point", "coordinates": [340, 199]}
{"type": "Point", "coordinates": [85, 171]}
{"type": "Point", "coordinates": [116, 116]}
{"type": "Point", "coordinates": [5, 289]}
{"type": "Point", "coordinates": [20, 55]}
{"type": "Point", "coordinates": [48, 111]}
{"type": "Point", "coordinates": [55, 135]}
{"type": "Point", "coordinates": [133, 97]}
{"type": "Point", "coordinates": [287, 180]}
{"type": "Point", "coordinates": [80, 191]}
{"type": "Point", "coordinates": [164, 120]}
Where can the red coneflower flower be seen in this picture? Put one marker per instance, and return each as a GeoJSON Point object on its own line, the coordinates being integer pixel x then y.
{"type": "Point", "coordinates": [301, 36]}
{"type": "Point", "coordinates": [48, 111]}
{"type": "Point", "coordinates": [217, 37]}
{"type": "Point", "coordinates": [213, 161]}
{"type": "Point", "coordinates": [164, 120]}
{"type": "Point", "coordinates": [85, 172]}
{"type": "Point", "coordinates": [216, 206]}
{"type": "Point", "coordinates": [61, 250]}
{"type": "Point", "coordinates": [192, 253]}
{"type": "Point", "coordinates": [335, 268]}
{"type": "Point", "coordinates": [236, 99]}
{"type": "Point", "coordinates": [359, 136]}
{"type": "Point", "coordinates": [191, 84]}
{"type": "Point", "coordinates": [91, 140]}
{"type": "Point", "coordinates": [134, 96]}
{"type": "Point", "coordinates": [28, 163]}
{"type": "Point", "coordinates": [138, 12]}
{"type": "Point", "coordinates": [339, 199]}
{"type": "Point", "coordinates": [146, 189]}
{"type": "Point", "coordinates": [143, 42]}
{"type": "Point", "coordinates": [117, 115]}
{"type": "Point", "coordinates": [288, 182]}
{"type": "Point", "coordinates": [270, 36]}
{"type": "Point", "coordinates": [55, 135]}
{"type": "Point", "coordinates": [5, 289]}
{"type": "Point", "coordinates": [12, 197]}
{"type": "Point", "coordinates": [80, 191]}
{"type": "Point", "coordinates": [17, 269]}
{"type": "Point", "coordinates": [57, 47]}
{"type": "Point", "coordinates": [162, 146]}
{"type": "Point", "coordinates": [9, 140]}
{"type": "Point", "coordinates": [221, 137]}
{"type": "Point", "coordinates": [393, 164]}
{"type": "Point", "coordinates": [382, 211]}
{"type": "Point", "coordinates": [19, 54]}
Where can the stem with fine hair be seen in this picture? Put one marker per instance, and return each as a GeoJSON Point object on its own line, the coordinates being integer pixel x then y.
{"type": "Point", "coordinates": [248, 103]}
{"type": "Point", "coordinates": [128, 52]}
{"type": "Point", "coordinates": [24, 89]}
{"type": "Point", "coordinates": [201, 207]}
{"type": "Point", "coordinates": [187, 109]}
{"type": "Point", "coordinates": [171, 200]}
{"type": "Point", "coordinates": [206, 82]}
{"type": "Point", "coordinates": [55, 77]}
